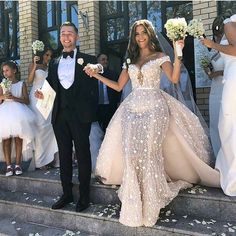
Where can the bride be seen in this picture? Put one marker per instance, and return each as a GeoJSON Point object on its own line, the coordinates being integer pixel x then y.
{"type": "Point", "coordinates": [152, 137]}
{"type": "Point", "coordinates": [226, 158]}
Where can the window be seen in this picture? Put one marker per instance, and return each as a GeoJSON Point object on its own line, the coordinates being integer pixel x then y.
{"type": "Point", "coordinates": [51, 15]}
{"type": "Point", "coordinates": [223, 6]}
{"type": "Point", "coordinates": [117, 17]}
{"type": "Point", "coordinates": [9, 31]}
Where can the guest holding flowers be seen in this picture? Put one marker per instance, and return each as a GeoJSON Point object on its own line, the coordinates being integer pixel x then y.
{"type": "Point", "coordinates": [226, 157]}
{"type": "Point", "coordinates": [45, 142]}
{"type": "Point", "coordinates": [215, 73]}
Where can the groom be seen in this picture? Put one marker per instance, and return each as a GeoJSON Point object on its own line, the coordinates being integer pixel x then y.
{"type": "Point", "coordinates": [74, 109]}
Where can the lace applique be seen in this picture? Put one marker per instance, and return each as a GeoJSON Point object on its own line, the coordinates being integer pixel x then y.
{"type": "Point", "coordinates": [163, 59]}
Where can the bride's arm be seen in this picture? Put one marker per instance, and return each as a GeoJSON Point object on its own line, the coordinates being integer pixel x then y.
{"type": "Point", "coordinates": [118, 86]}
{"type": "Point", "coordinates": [173, 71]}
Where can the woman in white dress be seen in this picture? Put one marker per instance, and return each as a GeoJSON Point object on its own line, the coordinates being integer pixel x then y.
{"type": "Point", "coordinates": [152, 137]}
{"type": "Point", "coordinates": [226, 158]}
{"type": "Point", "coordinates": [16, 119]}
{"type": "Point", "coordinates": [216, 75]}
{"type": "Point", "coordinates": [45, 141]}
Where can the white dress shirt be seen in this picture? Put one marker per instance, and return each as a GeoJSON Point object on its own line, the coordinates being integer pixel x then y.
{"type": "Point", "coordinates": [66, 70]}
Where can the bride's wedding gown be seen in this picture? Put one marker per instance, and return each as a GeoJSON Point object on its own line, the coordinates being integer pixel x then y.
{"type": "Point", "coordinates": [154, 146]}
{"type": "Point", "coordinates": [226, 158]}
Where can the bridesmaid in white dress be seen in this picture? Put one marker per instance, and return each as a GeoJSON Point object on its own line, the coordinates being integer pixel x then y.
{"type": "Point", "coordinates": [216, 84]}
{"type": "Point", "coordinates": [45, 141]}
{"type": "Point", "coordinates": [152, 137]}
{"type": "Point", "coordinates": [226, 158]}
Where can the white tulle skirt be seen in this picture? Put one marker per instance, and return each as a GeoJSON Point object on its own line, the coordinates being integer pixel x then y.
{"type": "Point", "coordinates": [17, 120]}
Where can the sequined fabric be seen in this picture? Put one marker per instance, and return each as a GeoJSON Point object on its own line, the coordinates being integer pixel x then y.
{"type": "Point", "coordinates": [132, 152]}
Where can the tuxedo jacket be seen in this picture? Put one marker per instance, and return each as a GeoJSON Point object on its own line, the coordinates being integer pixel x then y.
{"type": "Point", "coordinates": [85, 90]}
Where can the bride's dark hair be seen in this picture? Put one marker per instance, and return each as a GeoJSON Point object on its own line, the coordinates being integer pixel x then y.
{"type": "Point", "coordinates": [133, 48]}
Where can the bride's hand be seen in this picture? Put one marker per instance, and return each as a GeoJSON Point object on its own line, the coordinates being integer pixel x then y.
{"type": "Point", "coordinates": [179, 42]}
{"type": "Point", "coordinates": [90, 70]}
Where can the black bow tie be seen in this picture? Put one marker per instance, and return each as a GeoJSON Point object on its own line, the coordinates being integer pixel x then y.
{"type": "Point", "coordinates": [66, 54]}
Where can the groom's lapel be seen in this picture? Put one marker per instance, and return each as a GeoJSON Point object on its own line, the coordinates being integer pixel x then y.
{"type": "Point", "coordinates": [78, 67]}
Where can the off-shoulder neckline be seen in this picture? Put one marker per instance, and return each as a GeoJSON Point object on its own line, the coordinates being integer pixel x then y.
{"type": "Point", "coordinates": [155, 59]}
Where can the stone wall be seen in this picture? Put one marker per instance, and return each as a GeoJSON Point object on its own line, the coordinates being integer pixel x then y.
{"type": "Point", "coordinates": [207, 11]}
{"type": "Point", "coordinates": [28, 26]}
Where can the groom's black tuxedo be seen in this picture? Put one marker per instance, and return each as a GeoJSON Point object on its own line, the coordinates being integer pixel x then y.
{"type": "Point", "coordinates": [73, 111]}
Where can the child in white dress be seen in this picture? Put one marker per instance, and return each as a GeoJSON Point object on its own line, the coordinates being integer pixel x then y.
{"type": "Point", "coordinates": [16, 119]}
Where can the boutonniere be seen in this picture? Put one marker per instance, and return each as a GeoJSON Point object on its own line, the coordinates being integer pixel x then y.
{"type": "Point", "coordinates": [80, 61]}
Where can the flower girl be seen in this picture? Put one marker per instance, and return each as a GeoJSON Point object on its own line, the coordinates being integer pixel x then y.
{"type": "Point", "coordinates": [16, 119]}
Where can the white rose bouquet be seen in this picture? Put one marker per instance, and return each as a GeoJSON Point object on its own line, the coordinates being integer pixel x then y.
{"type": "Point", "coordinates": [38, 48]}
{"type": "Point", "coordinates": [6, 85]}
{"type": "Point", "coordinates": [195, 28]}
{"type": "Point", "coordinates": [176, 30]}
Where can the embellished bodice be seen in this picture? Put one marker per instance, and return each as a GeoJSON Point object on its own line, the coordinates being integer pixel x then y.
{"type": "Point", "coordinates": [148, 75]}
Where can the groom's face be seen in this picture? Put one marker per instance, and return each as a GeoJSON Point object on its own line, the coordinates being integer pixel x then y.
{"type": "Point", "coordinates": [68, 38]}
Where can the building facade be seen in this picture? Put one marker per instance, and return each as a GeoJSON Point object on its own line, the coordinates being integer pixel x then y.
{"type": "Point", "coordinates": [103, 26]}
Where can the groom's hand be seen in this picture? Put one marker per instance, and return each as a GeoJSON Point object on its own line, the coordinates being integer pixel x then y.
{"type": "Point", "coordinates": [38, 94]}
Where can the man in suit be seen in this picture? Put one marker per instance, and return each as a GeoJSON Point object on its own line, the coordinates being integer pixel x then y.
{"type": "Point", "coordinates": [108, 98]}
{"type": "Point", "coordinates": [74, 109]}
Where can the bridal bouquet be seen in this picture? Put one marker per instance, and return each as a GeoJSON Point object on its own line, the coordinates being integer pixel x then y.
{"type": "Point", "coordinates": [176, 29]}
{"type": "Point", "coordinates": [38, 48]}
{"type": "Point", "coordinates": [195, 28]}
{"type": "Point", "coordinates": [205, 62]}
{"type": "Point", "coordinates": [6, 85]}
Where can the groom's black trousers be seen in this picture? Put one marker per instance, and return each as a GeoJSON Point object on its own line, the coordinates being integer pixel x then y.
{"type": "Point", "coordinates": [69, 129]}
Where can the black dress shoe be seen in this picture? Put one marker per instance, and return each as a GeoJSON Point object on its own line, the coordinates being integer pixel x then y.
{"type": "Point", "coordinates": [81, 206]}
{"type": "Point", "coordinates": [63, 201]}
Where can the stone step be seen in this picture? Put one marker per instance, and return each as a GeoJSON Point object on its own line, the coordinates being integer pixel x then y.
{"type": "Point", "coordinates": [15, 227]}
{"type": "Point", "coordinates": [195, 201]}
{"type": "Point", "coordinates": [101, 219]}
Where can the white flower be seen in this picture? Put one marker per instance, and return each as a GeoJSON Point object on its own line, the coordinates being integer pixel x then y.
{"type": "Point", "coordinates": [176, 28]}
{"type": "Point", "coordinates": [195, 28]}
{"type": "Point", "coordinates": [128, 61]}
{"type": "Point", "coordinates": [37, 46]}
{"type": "Point", "coordinates": [80, 61]}
{"type": "Point", "coordinates": [6, 85]}
{"type": "Point", "coordinates": [205, 61]}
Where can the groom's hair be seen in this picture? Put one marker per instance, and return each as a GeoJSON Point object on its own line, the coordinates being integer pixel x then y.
{"type": "Point", "coordinates": [68, 23]}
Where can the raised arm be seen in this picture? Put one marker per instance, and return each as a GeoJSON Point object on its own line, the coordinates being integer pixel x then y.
{"type": "Point", "coordinates": [118, 86]}
{"type": "Point", "coordinates": [32, 69]}
{"type": "Point", "coordinates": [230, 33]}
{"type": "Point", "coordinates": [173, 72]}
